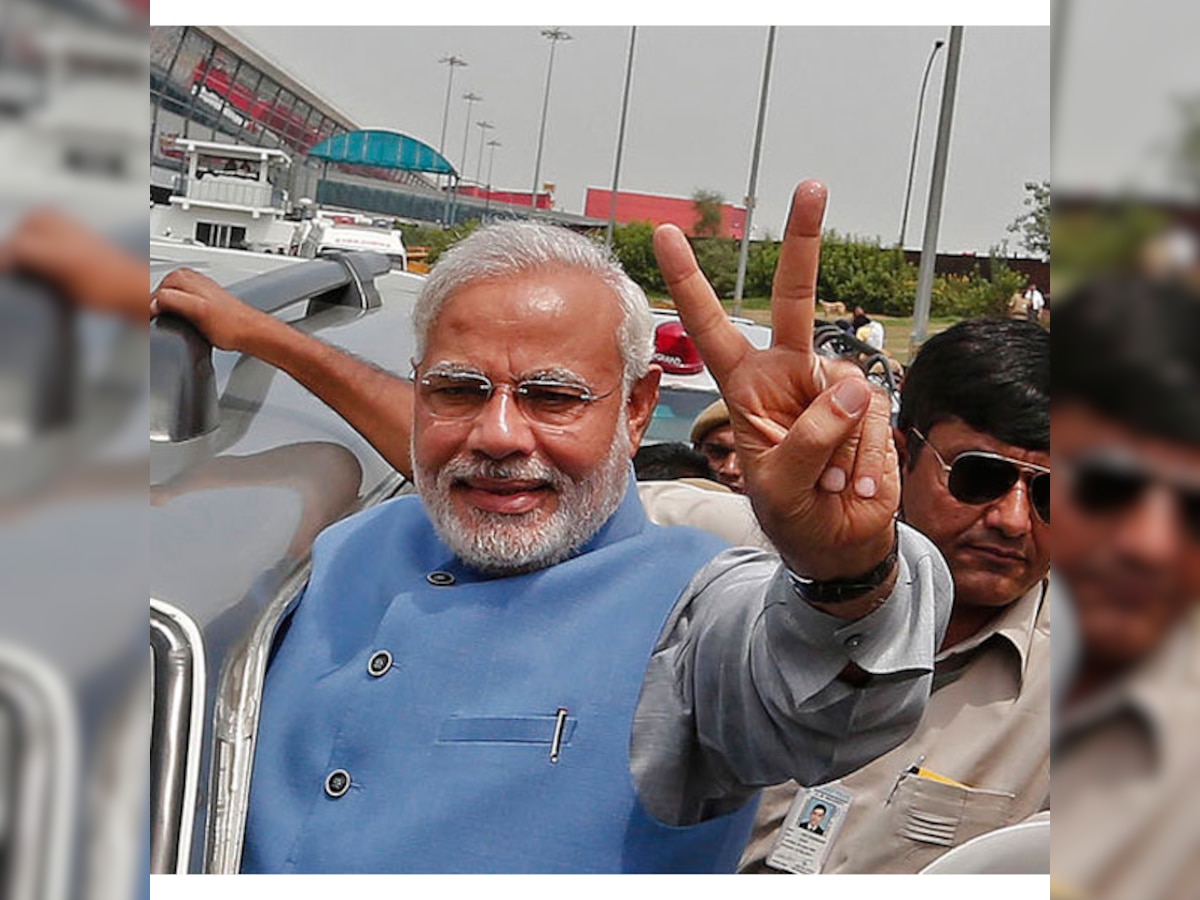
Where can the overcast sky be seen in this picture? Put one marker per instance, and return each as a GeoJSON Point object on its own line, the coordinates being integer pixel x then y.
{"type": "Point", "coordinates": [842, 107]}
{"type": "Point", "coordinates": [1124, 68]}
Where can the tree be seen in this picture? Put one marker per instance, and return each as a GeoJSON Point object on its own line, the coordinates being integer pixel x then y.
{"type": "Point", "coordinates": [709, 208]}
{"type": "Point", "coordinates": [1034, 225]}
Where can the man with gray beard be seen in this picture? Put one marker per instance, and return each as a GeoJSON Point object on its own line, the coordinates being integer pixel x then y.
{"type": "Point", "coordinates": [517, 672]}
{"type": "Point", "coordinates": [507, 543]}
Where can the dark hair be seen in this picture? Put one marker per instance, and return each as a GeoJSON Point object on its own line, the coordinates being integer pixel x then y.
{"type": "Point", "coordinates": [821, 806]}
{"type": "Point", "coordinates": [993, 374]}
{"type": "Point", "coordinates": [1129, 349]}
{"type": "Point", "coordinates": [664, 462]}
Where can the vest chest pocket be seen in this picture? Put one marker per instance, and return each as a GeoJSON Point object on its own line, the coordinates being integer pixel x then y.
{"type": "Point", "coordinates": [538, 730]}
{"type": "Point", "coordinates": [932, 812]}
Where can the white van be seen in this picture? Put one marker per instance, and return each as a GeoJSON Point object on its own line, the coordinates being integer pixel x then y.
{"type": "Point", "coordinates": [315, 237]}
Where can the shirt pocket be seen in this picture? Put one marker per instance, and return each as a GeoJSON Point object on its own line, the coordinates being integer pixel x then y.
{"type": "Point", "coordinates": [946, 815]}
{"type": "Point", "coordinates": [531, 729]}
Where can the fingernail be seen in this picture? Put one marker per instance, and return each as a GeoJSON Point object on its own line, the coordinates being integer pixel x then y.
{"type": "Point", "coordinates": [852, 396]}
{"type": "Point", "coordinates": [866, 486]}
{"type": "Point", "coordinates": [833, 480]}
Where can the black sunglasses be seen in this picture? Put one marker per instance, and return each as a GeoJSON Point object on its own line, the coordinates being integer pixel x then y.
{"type": "Point", "coordinates": [978, 476]}
{"type": "Point", "coordinates": [1105, 483]}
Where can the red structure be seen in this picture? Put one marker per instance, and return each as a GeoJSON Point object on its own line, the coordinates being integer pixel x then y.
{"type": "Point", "coordinates": [657, 210]}
{"type": "Point", "coordinates": [212, 83]}
{"type": "Point", "coordinates": [545, 199]}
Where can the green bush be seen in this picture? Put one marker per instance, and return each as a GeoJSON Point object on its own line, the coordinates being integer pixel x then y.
{"type": "Point", "coordinates": [718, 259]}
{"type": "Point", "coordinates": [436, 238]}
{"type": "Point", "coordinates": [760, 268]}
{"type": "Point", "coordinates": [633, 245]}
{"type": "Point", "coordinates": [859, 272]}
{"type": "Point", "coordinates": [855, 271]}
{"type": "Point", "coordinates": [970, 297]}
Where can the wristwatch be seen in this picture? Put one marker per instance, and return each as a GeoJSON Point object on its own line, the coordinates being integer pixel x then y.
{"type": "Point", "coordinates": [843, 590]}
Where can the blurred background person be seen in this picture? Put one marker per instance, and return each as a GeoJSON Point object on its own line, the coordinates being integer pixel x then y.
{"type": "Point", "coordinates": [1126, 424]}
{"type": "Point", "coordinates": [670, 461]}
{"type": "Point", "coordinates": [712, 436]}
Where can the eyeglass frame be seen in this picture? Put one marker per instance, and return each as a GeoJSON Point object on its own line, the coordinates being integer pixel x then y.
{"type": "Point", "coordinates": [1151, 475]}
{"type": "Point", "coordinates": [1021, 465]}
{"type": "Point", "coordinates": [589, 396]}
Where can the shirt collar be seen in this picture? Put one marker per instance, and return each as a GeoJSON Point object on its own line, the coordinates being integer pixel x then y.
{"type": "Point", "coordinates": [1017, 625]}
{"type": "Point", "coordinates": [1160, 693]}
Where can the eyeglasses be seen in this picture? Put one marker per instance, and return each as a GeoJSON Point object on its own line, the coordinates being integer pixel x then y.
{"type": "Point", "coordinates": [544, 401]}
{"type": "Point", "coordinates": [977, 477]}
{"type": "Point", "coordinates": [1106, 483]}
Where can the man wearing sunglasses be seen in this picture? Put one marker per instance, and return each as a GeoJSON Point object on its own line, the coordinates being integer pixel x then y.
{"type": "Point", "coordinates": [1127, 551]}
{"type": "Point", "coordinates": [974, 435]}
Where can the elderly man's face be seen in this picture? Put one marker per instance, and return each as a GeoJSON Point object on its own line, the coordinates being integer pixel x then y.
{"type": "Point", "coordinates": [1132, 567]}
{"type": "Point", "coordinates": [517, 485]}
{"type": "Point", "coordinates": [996, 551]}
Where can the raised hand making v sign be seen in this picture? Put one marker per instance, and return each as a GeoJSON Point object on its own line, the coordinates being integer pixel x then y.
{"type": "Point", "coordinates": [813, 435]}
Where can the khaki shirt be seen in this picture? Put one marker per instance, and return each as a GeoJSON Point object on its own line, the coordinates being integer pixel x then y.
{"type": "Point", "coordinates": [706, 505]}
{"type": "Point", "coordinates": [987, 726]}
{"type": "Point", "coordinates": [1127, 782]}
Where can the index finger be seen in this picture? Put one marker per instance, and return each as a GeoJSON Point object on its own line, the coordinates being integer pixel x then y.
{"type": "Point", "coordinates": [794, 291]}
{"type": "Point", "coordinates": [720, 343]}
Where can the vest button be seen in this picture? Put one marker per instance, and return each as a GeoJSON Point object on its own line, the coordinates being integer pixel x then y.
{"type": "Point", "coordinates": [379, 663]}
{"type": "Point", "coordinates": [440, 579]}
{"type": "Point", "coordinates": [337, 783]}
{"type": "Point", "coordinates": [854, 640]}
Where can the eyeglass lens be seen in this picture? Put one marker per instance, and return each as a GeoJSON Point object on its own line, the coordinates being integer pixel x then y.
{"type": "Point", "coordinates": [1101, 488]}
{"type": "Point", "coordinates": [464, 395]}
{"type": "Point", "coordinates": [983, 479]}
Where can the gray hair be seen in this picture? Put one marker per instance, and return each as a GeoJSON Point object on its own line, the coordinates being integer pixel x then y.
{"type": "Point", "coordinates": [508, 248]}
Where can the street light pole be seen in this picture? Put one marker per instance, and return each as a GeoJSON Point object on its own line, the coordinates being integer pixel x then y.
{"type": "Point", "coordinates": [937, 185]}
{"type": "Point", "coordinates": [744, 252]}
{"type": "Point", "coordinates": [912, 160]}
{"type": "Point", "coordinates": [553, 35]}
{"type": "Point", "coordinates": [612, 202]}
{"type": "Point", "coordinates": [452, 62]}
{"type": "Point", "coordinates": [484, 127]}
{"type": "Point", "coordinates": [472, 98]}
{"type": "Point", "coordinates": [487, 203]}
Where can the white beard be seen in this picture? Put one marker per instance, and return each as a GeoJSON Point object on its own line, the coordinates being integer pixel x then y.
{"type": "Point", "coordinates": [500, 543]}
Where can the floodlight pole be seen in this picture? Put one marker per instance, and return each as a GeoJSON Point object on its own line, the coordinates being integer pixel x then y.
{"type": "Point", "coordinates": [744, 252]}
{"type": "Point", "coordinates": [452, 62]}
{"type": "Point", "coordinates": [937, 184]}
{"type": "Point", "coordinates": [484, 127]}
{"type": "Point", "coordinates": [487, 203]}
{"type": "Point", "coordinates": [612, 202]}
{"type": "Point", "coordinates": [912, 160]}
{"type": "Point", "coordinates": [553, 35]}
{"type": "Point", "coordinates": [472, 98]}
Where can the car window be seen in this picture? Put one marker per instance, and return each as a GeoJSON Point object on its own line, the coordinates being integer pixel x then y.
{"type": "Point", "coordinates": [677, 409]}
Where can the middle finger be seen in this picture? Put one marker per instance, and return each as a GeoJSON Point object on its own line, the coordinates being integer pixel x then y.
{"type": "Point", "coordinates": [794, 291]}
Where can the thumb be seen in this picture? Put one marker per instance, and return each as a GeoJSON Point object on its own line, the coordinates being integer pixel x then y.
{"type": "Point", "coordinates": [828, 423]}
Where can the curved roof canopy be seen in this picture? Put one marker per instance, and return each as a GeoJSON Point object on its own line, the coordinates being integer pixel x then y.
{"type": "Point", "coordinates": [387, 149]}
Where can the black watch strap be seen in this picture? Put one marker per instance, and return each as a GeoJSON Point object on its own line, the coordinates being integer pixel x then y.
{"type": "Point", "coordinates": [843, 590]}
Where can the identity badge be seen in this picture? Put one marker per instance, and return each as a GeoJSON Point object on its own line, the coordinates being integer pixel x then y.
{"type": "Point", "coordinates": [809, 829]}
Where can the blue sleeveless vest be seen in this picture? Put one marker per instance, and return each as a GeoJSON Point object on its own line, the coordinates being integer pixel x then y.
{"type": "Point", "coordinates": [447, 753]}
